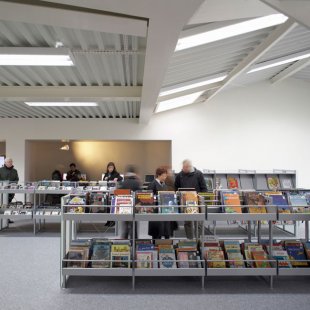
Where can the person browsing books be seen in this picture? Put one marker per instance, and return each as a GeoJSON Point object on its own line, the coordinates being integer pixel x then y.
{"type": "Point", "coordinates": [190, 177]}
{"type": "Point", "coordinates": [73, 174]}
{"type": "Point", "coordinates": [112, 173]}
{"type": "Point", "coordinates": [160, 229]}
{"type": "Point", "coordinates": [131, 182]}
{"type": "Point", "coordinates": [9, 173]}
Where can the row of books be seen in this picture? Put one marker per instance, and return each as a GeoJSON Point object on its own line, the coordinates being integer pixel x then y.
{"type": "Point", "coordinates": [232, 254]}
{"type": "Point", "coordinates": [17, 212]}
{"type": "Point", "coordinates": [273, 182]}
{"type": "Point", "coordinates": [48, 212]}
{"type": "Point", "coordinates": [143, 202]}
{"type": "Point", "coordinates": [257, 202]}
{"type": "Point", "coordinates": [103, 253]}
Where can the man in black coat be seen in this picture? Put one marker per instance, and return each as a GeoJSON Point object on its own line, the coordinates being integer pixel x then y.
{"type": "Point", "coordinates": [190, 177]}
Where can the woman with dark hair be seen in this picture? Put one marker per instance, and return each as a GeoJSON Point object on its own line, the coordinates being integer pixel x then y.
{"type": "Point", "coordinates": [112, 174]}
{"type": "Point", "coordinates": [160, 229]}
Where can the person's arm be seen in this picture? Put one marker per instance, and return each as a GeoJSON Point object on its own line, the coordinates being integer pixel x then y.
{"type": "Point", "coordinates": [152, 187]}
{"type": "Point", "coordinates": [177, 182]}
{"type": "Point", "coordinates": [202, 183]}
{"type": "Point", "coordinates": [16, 177]}
{"type": "Point", "coordinates": [119, 177]}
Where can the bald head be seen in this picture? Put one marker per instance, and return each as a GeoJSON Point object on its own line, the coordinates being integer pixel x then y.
{"type": "Point", "coordinates": [8, 162]}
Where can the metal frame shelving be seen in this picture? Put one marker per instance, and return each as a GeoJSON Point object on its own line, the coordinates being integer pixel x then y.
{"type": "Point", "coordinates": [68, 233]}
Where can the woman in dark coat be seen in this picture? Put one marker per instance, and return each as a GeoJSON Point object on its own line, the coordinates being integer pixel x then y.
{"type": "Point", "coordinates": [112, 174]}
{"type": "Point", "coordinates": [160, 229]}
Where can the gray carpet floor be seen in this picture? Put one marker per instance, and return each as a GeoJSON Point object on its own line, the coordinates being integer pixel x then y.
{"type": "Point", "coordinates": [29, 279]}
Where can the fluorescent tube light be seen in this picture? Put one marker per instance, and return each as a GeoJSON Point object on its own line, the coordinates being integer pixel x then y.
{"type": "Point", "coordinates": [177, 102]}
{"type": "Point", "coordinates": [29, 56]}
{"type": "Point", "coordinates": [62, 104]}
{"type": "Point", "coordinates": [190, 86]}
{"type": "Point", "coordinates": [230, 31]}
{"type": "Point", "coordinates": [278, 63]}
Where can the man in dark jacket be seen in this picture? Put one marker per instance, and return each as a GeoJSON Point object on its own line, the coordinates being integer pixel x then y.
{"type": "Point", "coordinates": [73, 175]}
{"type": "Point", "coordinates": [190, 177]}
{"type": "Point", "coordinates": [9, 173]}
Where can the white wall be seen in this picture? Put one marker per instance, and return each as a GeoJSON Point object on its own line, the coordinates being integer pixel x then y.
{"type": "Point", "coordinates": [259, 127]}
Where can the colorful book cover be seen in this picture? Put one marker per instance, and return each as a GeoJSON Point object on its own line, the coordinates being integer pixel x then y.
{"type": "Point", "coordinates": [124, 204]}
{"type": "Point", "coordinates": [253, 199]}
{"type": "Point", "coordinates": [260, 259]}
{"type": "Point", "coordinates": [297, 256]}
{"type": "Point", "coordinates": [215, 259]}
{"type": "Point", "coordinates": [273, 182]}
{"type": "Point", "coordinates": [167, 258]}
{"type": "Point", "coordinates": [191, 207]}
{"type": "Point", "coordinates": [282, 257]}
{"type": "Point", "coordinates": [298, 202]}
{"type": "Point", "coordinates": [235, 260]}
{"type": "Point", "coordinates": [102, 252]}
{"type": "Point", "coordinates": [76, 257]}
{"type": "Point", "coordinates": [144, 259]}
{"type": "Point", "coordinates": [183, 260]}
{"type": "Point", "coordinates": [232, 183]}
{"type": "Point", "coordinates": [120, 259]}
{"type": "Point", "coordinates": [231, 201]}
{"type": "Point", "coordinates": [143, 200]}
{"type": "Point", "coordinates": [168, 202]}
{"type": "Point", "coordinates": [279, 200]}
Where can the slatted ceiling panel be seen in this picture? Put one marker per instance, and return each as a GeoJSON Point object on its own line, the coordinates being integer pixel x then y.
{"type": "Point", "coordinates": [295, 41]}
{"type": "Point", "coordinates": [103, 110]}
{"type": "Point", "coordinates": [212, 58]}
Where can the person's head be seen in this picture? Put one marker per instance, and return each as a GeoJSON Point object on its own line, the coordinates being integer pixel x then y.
{"type": "Point", "coordinates": [187, 166]}
{"type": "Point", "coordinates": [161, 174]}
{"type": "Point", "coordinates": [56, 175]}
{"type": "Point", "coordinates": [131, 169]}
{"type": "Point", "coordinates": [111, 167]}
{"type": "Point", "coordinates": [73, 167]}
{"type": "Point", "coordinates": [8, 162]}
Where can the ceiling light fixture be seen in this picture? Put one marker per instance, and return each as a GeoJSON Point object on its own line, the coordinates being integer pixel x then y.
{"type": "Point", "coordinates": [230, 31]}
{"type": "Point", "coordinates": [62, 104]}
{"type": "Point", "coordinates": [65, 147]}
{"type": "Point", "coordinates": [33, 56]}
{"type": "Point", "coordinates": [267, 64]}
{"type": "Point", "coordinates": [193, 85]}
{"type": "Point", "coordinates": [177, 102]}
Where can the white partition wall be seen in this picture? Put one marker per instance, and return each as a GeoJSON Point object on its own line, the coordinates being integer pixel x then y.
{"type": "Point", "coordinates": [260, 127]}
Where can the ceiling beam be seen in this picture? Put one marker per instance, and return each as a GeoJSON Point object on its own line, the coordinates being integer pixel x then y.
{"type": "Point", "coordinates": [70, 93]}
{"type": "Point", "coordinates": [296, 9]}
{"type": "Point", "coordinates": [274, 37]}
{"type": "Point", "coordinates": [291, 70]}
{"type": "Point", "coordinates": [166, 19]}
{"type": "Point", "coordinates": [75, 19]}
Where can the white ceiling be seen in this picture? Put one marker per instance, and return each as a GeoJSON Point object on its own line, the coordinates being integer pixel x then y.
{"type": "Point", "coordinates": [124, 52]}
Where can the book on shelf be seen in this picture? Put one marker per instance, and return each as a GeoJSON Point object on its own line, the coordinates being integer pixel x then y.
{"type": "Point", "coordinates": [307, 249]}
{"type": "Point", "coordinates": [189, 201]}
{"type": "Point", "coordinates": [101, 254]}
{"type": "Point", "coordinates": [256, 202]}
{"type": "Point", "coordinates": [279, 200]}
{"type": "Point", "coordinates": [282, 257]}
{"type": "Point", "coordinates": [209, 182]}
{"type": "Point", "coordinates": [231, 201]}
{"type": "Point", "coordinates": [296, 253]}
{"type": "Point", "coordinates": [144, 259]}
{"type": "Point", "coordinates": [232, 182]}
{"type": "Point", "coordinates": [273, 182]}
{"type": "Point", "coordinates": [210, 201]}
{"type": "Point", "coordinates": [144, 199]}
{"type": "Point", "coordinates": [123, 204]}
{"type": "Point", "coordinates": [167, 201]}
{"type": "Point", "coordinates": [261, 259]}
{"type": "Point", "coordinates": [298, 202]}
{"type": "Point", "coordinates": [235, 260]}
{"type": "Point", "coordinates": [182, 259]}
{"type": "Point", "coordinates": [167, 258]}
{"type": "Point", "coordinates": [215, 258]}
{"type": "Point", "coordinates": [77, 256]}
{"type": "Point", "coordinates": [286, 182]}
{"type": "Point", "coordinates": [120, 256]}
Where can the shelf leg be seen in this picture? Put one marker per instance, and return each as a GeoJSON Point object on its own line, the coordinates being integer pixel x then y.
{"type": "Point", "coordinates": [202, 282]}
{"type": "Point", "coordinates": [259, 235]}
{"type": "Point", "coordinates": [249, 231]}
{"type": "Point", "coordinates": [271, 282]}
{"type": "Point", "coordinates": [34, 226]}
{"type": "Point", "coordinates": [307, 230]}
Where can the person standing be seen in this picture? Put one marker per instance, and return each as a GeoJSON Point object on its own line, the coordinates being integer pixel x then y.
{"type": "Point", "coordinates": [160, 229]}
{"type": "Point", "coordinates": [112, 173]}
{"type": "Point", "coordinates": [9, 173]}
{"type": "Point", "coordinates": [190, 177]}
{"type": "Point", "coordinates": [133, 183]}
{"type": "Point", "coordinates": [73, 175]}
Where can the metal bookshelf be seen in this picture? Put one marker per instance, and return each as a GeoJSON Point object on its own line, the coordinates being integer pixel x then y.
{"type": "Point", "coordinates": [4, 192]}
{"type": "Point", "coordinates": [68, 233]}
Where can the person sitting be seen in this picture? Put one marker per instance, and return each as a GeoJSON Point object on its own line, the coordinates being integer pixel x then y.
{"type": "Point", "coordinates": [73, 174]}
{"type": "Point", "coordinates": [160, 229]}
{"type": "Point", "coordinates": [112, 173]}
